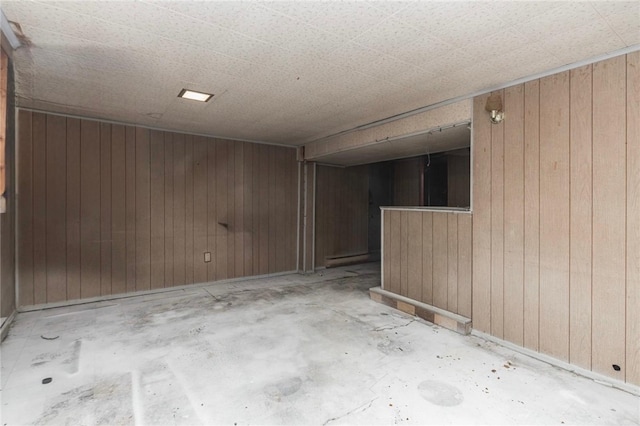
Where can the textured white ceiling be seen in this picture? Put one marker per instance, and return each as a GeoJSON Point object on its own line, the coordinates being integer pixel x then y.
{"type": "Point", "coordinates": [292, 72]}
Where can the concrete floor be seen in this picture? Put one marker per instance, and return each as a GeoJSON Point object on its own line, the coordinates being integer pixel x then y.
{"type": "Point", "coordinates": [288, 350]}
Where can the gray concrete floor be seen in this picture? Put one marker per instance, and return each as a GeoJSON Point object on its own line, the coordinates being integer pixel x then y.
{"type": "Point", "coordinates": [287, 350]}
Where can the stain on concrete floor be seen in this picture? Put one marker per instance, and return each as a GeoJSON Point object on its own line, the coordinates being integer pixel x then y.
{"type": "Point", "coordinates": [294, 349]}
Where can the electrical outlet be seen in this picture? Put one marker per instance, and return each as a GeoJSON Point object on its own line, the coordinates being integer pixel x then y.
{"type": "Point", "coordinates": [207, 256]}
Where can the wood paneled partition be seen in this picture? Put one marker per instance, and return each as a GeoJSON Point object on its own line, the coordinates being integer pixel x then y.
{"type": "Point", "coordinates": [342, 212]}
{"type": "Point", "coordinates": [106, 209]}
{"type": "Point", "coordinates": [427, 257]}
{"type": "Point", "coordinates": [556, 233]}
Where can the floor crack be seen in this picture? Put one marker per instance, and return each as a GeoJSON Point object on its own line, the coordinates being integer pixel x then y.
{"type": "Point", "coordinates": [366, 406]}
{"type": "Point", "coordinates": [394, 327]}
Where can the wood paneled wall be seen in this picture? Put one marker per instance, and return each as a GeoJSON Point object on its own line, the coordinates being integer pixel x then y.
{"type": "Point", "coordinates": [7, 219]}
{"type": "Point", "coordinates": [342, 212]}
{"type": "Point", "coordinates": [427, 257]}
{"type": "Point", "coordinates": [106, 209]}
{"type": "Point", "coordinates": [556, 233]}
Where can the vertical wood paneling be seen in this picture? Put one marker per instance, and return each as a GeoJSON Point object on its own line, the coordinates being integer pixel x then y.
{"type": "Point", "coordinates": [580, 209]}
{"type": "Point", "coordinates": [56, 188]}
{"type": "Point", "coordinates": [633, 219]}
{"type": "Point", "coordinates": [272, 222]}
{"type": "Point", "coordinates": [394, 244]}
{"type": "Point", "coordinates": [24, 240]}
{"type": "Point", "coordinates": [404, 253]}
{"type": "Point", "coordinates": [438, 257]}
{"type": "Point", "coordinates": [281, 211]}
{"type": "Point", "coordinates": [230, 210]}
{"type": "Point", "coordinates": [497, 228]}
{"type": "Point", "coordinates": [514, 215]}
{"type": "Point", "coordinates": [73, 209]}
{"type": "Point", "coordinates": [554, 215]}
{"type": "Point", "coordinates": [200, 206]}
{"type": "Point", "coordinates": [580, 231]}
{"type": "Point", "coordinates": [452, 262]}
{"type": "Point", "coordinates": [143, 210]}
{"type": "Point", "coordinates": [39, 208]}
{"type": "Point", "coordinates": [221, 210]}
{"type": "Point", "coordinates": [130, 206]}
{"type": "Point", "coordinates": [324, 232]}
{"type": "Point", "coordinates": [427, 258]}
{"type": "Point", "coordinates": [189, 249]}
{"type": "Point", "coordinates": [169, 240]}
{"type": "Point", "coordinates": [118, 210]}
{"type": "Point", "coordinates": [179, 210]}
{"type": "Point", "coordinates": [414, 249]}
{"type": "Point", "coordinates": [263, 208]}
{"type": "Point", "coordinates": [342, 211]}
{"type": "Point", "coordinates": [309, 218]}
{"type": "Point", "coordinates": [122, 209]}
{"type": "Point", "coordinates": [249, 195]}
{"type": "Point", "coordinates": [531, 213]}
{"type": "Point", "coordinates": [609, 236]}
{"type": "Point", "coordinates": [238, 210]}
{"type": "Point", "coordinates": [292, 202]}
{"type": "Point", "coordinates": [290, 194]}
{"type": "Point", "coordinates": [440, 261]}
{"type": "Point", "coordinates": [330, 221]}
{"type": "Point", "coordinates": [217, 203]}
{"type": "Point", "coordinates": [89, 209]}
{"type": "Point", "coordinates": [301, 218]}
{"type": "Point", "coordinates": [464, 264]}
{"type": "Point", "coordinates": [361, 228]}
{"type": "Point", "coordinates": [481, 217]}
{"type": "Point", "coordinates": [105, 209]}
{"type": "Point", "coordinates": [157, 205]}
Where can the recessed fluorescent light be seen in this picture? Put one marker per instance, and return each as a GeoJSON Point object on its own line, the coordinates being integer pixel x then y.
{"type": "Point", "coordinates": [194, 96]}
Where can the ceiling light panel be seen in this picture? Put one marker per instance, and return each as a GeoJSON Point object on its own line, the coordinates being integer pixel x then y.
{"type": "Point", "coordinates": [195, 96]}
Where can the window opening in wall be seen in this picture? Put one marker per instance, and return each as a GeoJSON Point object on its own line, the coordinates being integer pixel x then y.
{"type": "Point", "coordinates": [447, 179]}
{"type": "Point", "coordinates": [441, 179]}
{"type": "Point", "coordinates": [435, 180]}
